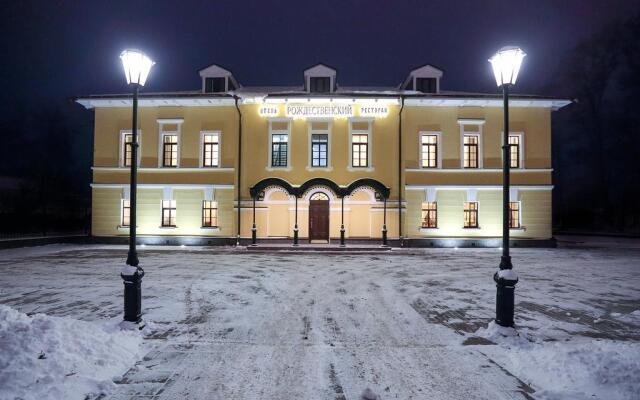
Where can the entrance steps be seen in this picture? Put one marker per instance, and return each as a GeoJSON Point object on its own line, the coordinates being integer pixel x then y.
{"type": "Point", "coordinates": [323, 247]}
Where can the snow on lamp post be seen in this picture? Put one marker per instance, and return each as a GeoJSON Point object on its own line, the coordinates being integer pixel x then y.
{"type": "Point", "coordinates": [506, 66]}
{"type": "Point", "coordinates": [136, 66]}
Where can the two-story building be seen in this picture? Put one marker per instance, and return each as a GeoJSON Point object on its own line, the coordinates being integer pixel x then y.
{"type": "Point", "coordinates": [421, 162]}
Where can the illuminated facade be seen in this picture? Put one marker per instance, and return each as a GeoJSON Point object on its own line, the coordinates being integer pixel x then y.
{"type": "Point", "coordinates": [423, 162]}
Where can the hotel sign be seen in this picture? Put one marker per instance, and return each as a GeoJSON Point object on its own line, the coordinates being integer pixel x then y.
{"type": "Point", "coordinates": [325, 110]}
{"type": "Point", "coordinates": [319, 110]}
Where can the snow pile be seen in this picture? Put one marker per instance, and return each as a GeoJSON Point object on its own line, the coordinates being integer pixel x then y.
{"type": "Point", "coordinates": [60, 358]}
{"type": "Point", "coordinates": [582, 369]}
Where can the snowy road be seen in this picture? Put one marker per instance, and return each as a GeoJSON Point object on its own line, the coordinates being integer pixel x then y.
{"type": "Point", "coordinates": [236, 325]}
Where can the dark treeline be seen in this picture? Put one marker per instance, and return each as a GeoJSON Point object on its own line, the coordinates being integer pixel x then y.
{"type": "Point", "coordinates": [596, 140]}
{"type": "Point", "coordinates": [45, 173]}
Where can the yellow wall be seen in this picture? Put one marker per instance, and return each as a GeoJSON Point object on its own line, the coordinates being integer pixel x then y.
{"type": "Point", "coordinates": [362, 220]}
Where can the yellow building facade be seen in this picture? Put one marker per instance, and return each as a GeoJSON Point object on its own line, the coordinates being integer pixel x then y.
{"type": "Point", "coordinates": [227, 162]}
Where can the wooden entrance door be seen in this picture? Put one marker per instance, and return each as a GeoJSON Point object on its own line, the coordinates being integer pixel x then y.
{"type": "Point", "coordinates": [319, 217]}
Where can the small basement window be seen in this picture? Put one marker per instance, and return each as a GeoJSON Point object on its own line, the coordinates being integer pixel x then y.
{"type": "Point", "coordinates": [214, 85]}
{"type": "Point", "coordinates": [427, 85]}
{"type": "Point", "coordinates": [320, 84]}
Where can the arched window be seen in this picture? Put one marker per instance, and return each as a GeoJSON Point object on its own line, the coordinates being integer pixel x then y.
{"type": "Point", "coordinates": [319, 196]}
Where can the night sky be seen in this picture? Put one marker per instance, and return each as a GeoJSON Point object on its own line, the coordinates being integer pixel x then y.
{"type": "Point", "coordinates": [57, 49]}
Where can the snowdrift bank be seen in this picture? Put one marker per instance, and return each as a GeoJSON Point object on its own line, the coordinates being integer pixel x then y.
{"type": "Point", "coordinates": [43, 357]}
{"type": "Point", "coordinates": [581, 369]}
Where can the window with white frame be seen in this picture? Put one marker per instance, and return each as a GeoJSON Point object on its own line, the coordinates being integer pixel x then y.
{"type": "Point", "coordinates": [319, 146]}
{"type": "Point", "coordinates": [516, 153]}
{"type": "Point", "coordinates": [429, 150]}
{"type": "Point", "coordinates": [169, 150]}
{"type": "Point", "coordinates": [210, 149]}
{"type": "Point", "coordinates": [209, 214]}
{"type": "Point", "coordinates": [126, 148]}
{"type": "Point", "coordinates": [360, 142]}
{"type": "Point", "coordinates": [429, 215]}
{"type": "Point", "coordinates": [169, 213]}
{"type": "Point", "coordinates": [471, 151]}
{"type": "Point", "coordinates": [471, 214]}
{"type": "Point", "coordinates": [279, 147]}
{"type": "Point", "coordinates": [514, 215]}
{"type": "Point", "coordinates": [125, 212]}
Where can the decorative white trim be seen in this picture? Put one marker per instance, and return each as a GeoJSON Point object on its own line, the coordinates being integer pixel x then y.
{"type": "Point", "coordinates": [201, 156]}
{"type": "Point", "coordinates": [272, 132]}
{"type": "Point", "coordinates": [478, 187]}
{"type": "Point", "coordinates": [310, 133]}
{"type": "Point", "coordinates": [163, 169]}
{"type": "Point", "coordinates": [471, 121]}
{"type": "Point", "coordinates": [175, 186]}
{"type": "Point", "coordinates": [203, 101]}
{"type": "Point", "coordinates": [162, 134]}
{"type": "Point", "coordinates": [124, 132]}
{"type": "Point", "coordinates": [438, 149]}
{"type": "Point", "coordinates": [170, 121]}
{"type": "Point", "coordinates": [322, 189]}
{"type": "Point", "coordinates": [473, 170]}
{"type": "Point", "coordinates": [368, 132]}
{"type": "Point", "coordinates": [478, 134]}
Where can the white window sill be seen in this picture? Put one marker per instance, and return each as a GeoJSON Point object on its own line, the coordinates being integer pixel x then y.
{"type": "Point", "coordinates": [365, 169]}
{"type": "Point", "coordinates": [211, 228]}
{"type": "Point", "coordinates": [167, 227]}
{"type": "Point", "coordinates": [310, 168]}
{"type": "Point", "coordinates": [278, 168]}
{"type": "Point", "coordinates": [122, 228]}
{"type": "Point", "coordinates": [427, 230]}
{"type": "Point", "coordinates": [470, 227]}
{"type": "Point", "coordinates": [522, 228]}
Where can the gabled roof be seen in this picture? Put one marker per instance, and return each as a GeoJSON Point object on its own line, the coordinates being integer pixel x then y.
{"type": "Point", "coordinates": [425, 71]}
{"type": "Point", "coordinates": [320, 69]}
{"type": "Point", "coordinates": [214, 70]}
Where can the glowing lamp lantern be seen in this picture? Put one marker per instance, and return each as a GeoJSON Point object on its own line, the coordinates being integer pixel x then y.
{"type": "Point", "coordinates": [506, 65]}
{"type": "Point", "coordinates": [136, 66]}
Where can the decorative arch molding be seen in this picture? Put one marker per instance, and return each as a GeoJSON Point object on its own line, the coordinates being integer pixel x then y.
{"type": "Point", "coordinates": [319, 189]}
{"type": "Point", "coordinates": [270, 190]}
{"type": "Point", "coordinates": [377, 186]}
{"type": "Point", "coordinates": [315, 182]}
{"type": "Point", "coordinates": [370, 192]}
{"type": "Point", "coordinates": [256, 189]}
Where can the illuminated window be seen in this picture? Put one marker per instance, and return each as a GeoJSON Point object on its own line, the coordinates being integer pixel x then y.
{"type": "Point", "coordinates": [210, 150]}
{"type": "Point", "coordinates": [319, 149]}
{"type": "Point", "coordinates": [127, 149]}
{"type": "Point", "coordinates": [514, 214]}
{"type": "Point", "coordinates": [319, 196]}
{"type": "Point", "coordinates": [360, 150]}
{"type": "Point", "coordinates": [169, 150]}
{"type": "Point", "coordinates": [471, 151]}
{"type": "Point", "coordinates": [126, 213]}
{"type": "Point", "coordinates": [279, 149]}
{"type": "Point", "coordinates": [430, 215]}
{"type": "Point", "coordinates": [514, 151]}
{"type": "Point", "coordinates": [209, 214]}
{"type": "Point", "coordinates": [471, 214]}
{"type": "Point", "coordinates": [169, 213]}
{"type": "Point", "coordinates": [429, 151]}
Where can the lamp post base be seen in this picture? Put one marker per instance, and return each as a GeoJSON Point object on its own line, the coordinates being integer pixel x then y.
{"type": "Point", "coordinates": [132, 280]}
{"type": "Point", "coordinates": [506, 281]}
{"type": "Point", "coordinates": [384, 236]}
{"type": "Point", "coordinates": [254, 235]}
{"type": "Point", "coordinates": [342, 244]}
{"type": "Point", "coordinates": [295, 236]}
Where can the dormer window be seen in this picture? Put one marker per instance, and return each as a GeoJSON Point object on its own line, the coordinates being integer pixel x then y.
{"type": "Point", "coordinates": [425, 79]}
{"type": "Point", "coordinates": [320, 79]}
{"type": "Point", "coordinates": [214, 85]}
{"type": "Point", "coordinates": [319, 84]}
{"type": "Point", "coordinates": [427, 85]}
{"type": "Point", "coordinates": [216, 79]}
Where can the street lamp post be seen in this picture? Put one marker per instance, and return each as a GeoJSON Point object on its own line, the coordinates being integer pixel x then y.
{"type": "Point", "coordinates": [136, 68]}
{"type": "Point", "coordinates": [506, 65]}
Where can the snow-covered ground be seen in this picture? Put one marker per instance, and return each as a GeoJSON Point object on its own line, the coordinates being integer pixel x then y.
{"type": "Point", "coordinates": [232, 324]}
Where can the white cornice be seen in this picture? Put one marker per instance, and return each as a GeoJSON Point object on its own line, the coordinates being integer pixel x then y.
{"type": "Point", "coordinates": [164, 169]}
{"type": "Point", "coordinates": [157, 102]}
{"type": "Point", "coordinates": [477, 187]}
{"type": "Point", "coordinates": [477, 170]}
{"type": "Point", "coordinates": [158, 186]}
